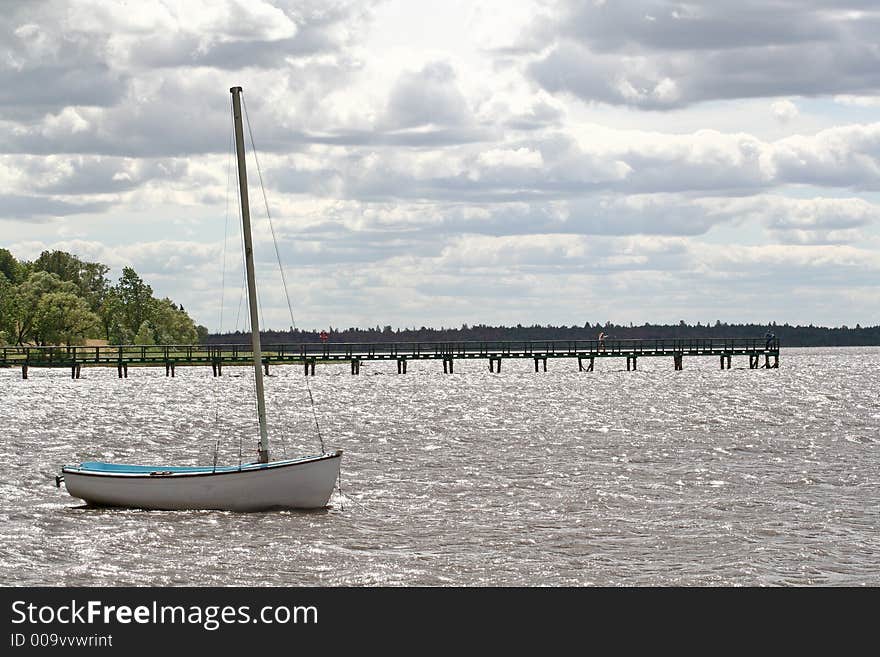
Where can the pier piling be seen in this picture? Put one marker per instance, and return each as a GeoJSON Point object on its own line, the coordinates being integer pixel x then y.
{"type": "Point", "coordinates": [588, 368]}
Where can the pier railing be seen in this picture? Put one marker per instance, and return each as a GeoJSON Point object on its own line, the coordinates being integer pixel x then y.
{"type": "Point", "coordinates": [55, 356]}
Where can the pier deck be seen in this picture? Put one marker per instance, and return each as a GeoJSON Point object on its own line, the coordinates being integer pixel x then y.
{"type": "Point", "coordinates": [308, 354]}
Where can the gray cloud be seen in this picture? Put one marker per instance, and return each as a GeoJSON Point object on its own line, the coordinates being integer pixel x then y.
{"type": "Point", "coordinates": [42, 208]}
{"type": "Point", "coordinates": [672, 25]}
{"type": "Point", "coordinates": [661, 55]}
{"type": "Point", "coordinates": [152, 83]}
{"type": "Point", "coordinates": [101, 175]}
{"type": "Point", "coordinates": [428, 97]}
{"type": "Point", "coordinates": [46, 67]}
{"type": "Point", "coordinates": [554, 166]}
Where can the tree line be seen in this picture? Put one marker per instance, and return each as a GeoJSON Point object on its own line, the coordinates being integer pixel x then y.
{"type": "Point", "coordinates": [789, 336]}
{"type": "Point", "coordinates": [61, 299]}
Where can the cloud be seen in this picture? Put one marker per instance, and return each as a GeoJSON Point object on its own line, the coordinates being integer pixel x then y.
{"type": "Point", "coordinates": [604, 160]}
{"type": "Point", "coordinates": [427, 97]}
{"type": "Point", "coordinates": [858, 101]}
{"type": "Point", "coordinates": [16, 207]}
{"type": "Point", "coordinates": [784, 110]}
{"type": "Point", "coordinates": [658, 54]}
{"type": "Point", "coordinates": [152, 80]}
{"type": "Point", "coordinates": [556, 165]}
{"type": "Point", "coordinates": [89, 175]}
{"type": "Point", "coordinates": [46, 67]}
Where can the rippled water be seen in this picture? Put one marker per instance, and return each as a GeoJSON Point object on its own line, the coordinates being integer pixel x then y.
{"type": "Point", "coordinates": [655, 477]}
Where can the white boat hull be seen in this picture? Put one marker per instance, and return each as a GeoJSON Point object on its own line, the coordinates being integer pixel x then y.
{"type": "Point", "coordinates": [299, 484]}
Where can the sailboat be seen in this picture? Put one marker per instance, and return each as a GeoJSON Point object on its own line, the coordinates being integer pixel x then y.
{"type": "Point", "coordinates": [303, 483]}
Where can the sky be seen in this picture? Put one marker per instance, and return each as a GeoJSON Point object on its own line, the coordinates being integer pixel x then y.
{"type": "Point", "coordinates": [441, 163]}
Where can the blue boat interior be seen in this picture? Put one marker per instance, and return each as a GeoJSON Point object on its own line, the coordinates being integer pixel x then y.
{"type": "Point", "coordinates": [124, 468]}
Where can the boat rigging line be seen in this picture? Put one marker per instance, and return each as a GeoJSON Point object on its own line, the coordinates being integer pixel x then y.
{"type": "Point", "coordinates": [280, 266]}
{"type": "Point", "coordinates": [284, 285]}
{"type": "Point", "coordinates": [223, 290]}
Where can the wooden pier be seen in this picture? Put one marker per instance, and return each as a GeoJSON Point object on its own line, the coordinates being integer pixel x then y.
{"type": "Point", "coordinates": [308, 355]}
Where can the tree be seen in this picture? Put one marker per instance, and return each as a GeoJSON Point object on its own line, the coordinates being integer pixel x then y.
{"type": "Point", "coordinates": [145, 335]}
{"type": "Point", "coordinates": [110, 314]}
{"type": "Point", "coordinates": [172, 325]}
{"type": "Point", "coordinates": [27, 301]}
{"type": "Point", "coordinates": [202, 334]}
{"type": "Point", "coordinates": [89, 277]}
{"type": "Point", "coordinates": [60, 263]}
{"type": "Point", "coordinates": [119, 312]}
{"type": "Point", "coordinates": [63, 317]}
{"type": "Point", "coordinates": [10, 269]}
{"type": "Point", "coordinates": [8, 310]}
{"type": "Point", "coordinates": [135, 301]}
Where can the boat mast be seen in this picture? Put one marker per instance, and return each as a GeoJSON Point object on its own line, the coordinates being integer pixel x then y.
{"type": "Point", "coordinates": [251, 279]}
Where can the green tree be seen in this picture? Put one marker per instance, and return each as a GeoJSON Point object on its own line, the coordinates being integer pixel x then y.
{"type": "Point", "coordinates": [202, 334]}
{"type": "Point", "coordinates": [10, 268]}
{"type": "Point", "coordinates": [60, 263]}
{"type": "Point", "coordinates": [93, 284]}
{"type": "Point", "coordinates": [8, 310]}
{"type": "Point", "coordinates": [145, 334]}
{"type": "Point", "coordinates": [63, 317]}
{"type": "Point", "coordinates": [121, 313]}
{"type": "Point", "coordinates": [172, 324]}
{"type": "Point", "coordinates": [136, 301]}
{"type": "Point", "coordinates": [27, 301]}
{"type": "Point", "coordinates": [89, 277]}
{"type": "Point", "coordinates": [110, 314]}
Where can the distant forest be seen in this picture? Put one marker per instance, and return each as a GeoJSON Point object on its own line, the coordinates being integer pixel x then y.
{"type": "Point", "coordinates": [789, 336]}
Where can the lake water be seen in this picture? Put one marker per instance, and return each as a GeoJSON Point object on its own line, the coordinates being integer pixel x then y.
{"type": "Point", "coordinates": [655, 477]}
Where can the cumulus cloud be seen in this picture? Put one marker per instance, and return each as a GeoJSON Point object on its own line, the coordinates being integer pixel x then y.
{"type": "Point", "coordinates": [784, 110]}
{"type": "Point", "coordinates": [151, 80]}
{"type": "Point", "coordinates": [427, 97]}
